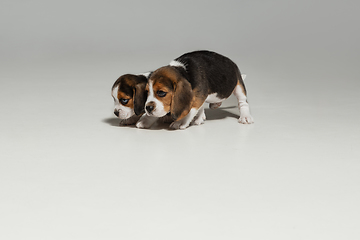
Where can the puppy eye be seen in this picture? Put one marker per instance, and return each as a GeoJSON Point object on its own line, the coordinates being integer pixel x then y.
{"type": "Point", "coordinates": [161, 93]}
{"type": "Point", "coordinates": [124, 101]}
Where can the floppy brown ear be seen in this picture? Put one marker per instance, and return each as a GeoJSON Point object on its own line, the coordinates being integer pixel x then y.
{"type": "Point", "coordinates": [140, 96]}
{"type": "Point", "coordinates": [182, 99]}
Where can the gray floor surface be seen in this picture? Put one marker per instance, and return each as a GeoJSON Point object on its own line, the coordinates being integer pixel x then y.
{"type": "Point", "coordinates": [68, 171]}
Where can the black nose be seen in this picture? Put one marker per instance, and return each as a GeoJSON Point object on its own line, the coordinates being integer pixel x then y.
{"type": "Point", "coordinates": [149, 108]}
{"type": "Point", "coordinates": [116, 113]}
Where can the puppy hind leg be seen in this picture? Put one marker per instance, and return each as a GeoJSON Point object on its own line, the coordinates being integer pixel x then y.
{"type": "Point", "coordinates": [245, 116]}
{"type": "Point", "coordinates": [214, 105]}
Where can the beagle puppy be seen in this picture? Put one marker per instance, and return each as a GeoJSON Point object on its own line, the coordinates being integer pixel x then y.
{"type": "Point", "coordinates": [182, 88]}
{"type": "Point", "coordinates": [129, 96]}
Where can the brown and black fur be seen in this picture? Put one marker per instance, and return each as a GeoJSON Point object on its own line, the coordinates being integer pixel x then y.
{"type": "Point", "coordinates": [132, 87]}
{"type": "Point", "coordinates": [205, 73]}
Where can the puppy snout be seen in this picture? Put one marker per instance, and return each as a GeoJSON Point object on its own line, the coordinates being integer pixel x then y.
{"type": "Point", "coordinates": [150, 107]}
{"type": "Point", "coordinates": [116, 112]}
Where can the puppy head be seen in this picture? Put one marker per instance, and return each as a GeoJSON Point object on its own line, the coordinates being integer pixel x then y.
{"type": "Point", "coordinates": [168, 91]}
{"type": "Point", "coordinates": [129, 95]}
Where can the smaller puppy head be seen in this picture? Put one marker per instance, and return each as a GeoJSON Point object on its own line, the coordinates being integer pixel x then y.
{"type": "Point", "coordinates": [129, 95]}
{"type": "Point", "coordinates": [168, 91]}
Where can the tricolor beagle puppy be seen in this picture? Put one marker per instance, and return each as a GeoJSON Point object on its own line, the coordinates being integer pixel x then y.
{"type": "Point", "coordinates": [129, 96]}
{"type": "Point", "coordinates": [182, 88]}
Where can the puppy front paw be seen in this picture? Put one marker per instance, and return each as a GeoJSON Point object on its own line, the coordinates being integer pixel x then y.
{"type": "Point", "coordinates": [214, 105]}
{"type": "Point", "coordinates": [145, 122]}
{"type": "Point", "coordinates": [178, 125]}
{"type": "Point", "coordinates": [246, 119]}
{"type": "Point", "coordinates": [124, 122]}
{"type": "Point", "coordinates": [129, 121]}
{"type": "Point", "coordinates": [200, 119]}
{"type": "Point", "coordinates": [142, 124]}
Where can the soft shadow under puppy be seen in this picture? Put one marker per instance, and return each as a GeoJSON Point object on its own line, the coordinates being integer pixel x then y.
{"type": "Point", "coordinates": [115, 122]}
{"type": "Point", "coordinates": [211, 114]}
{"type": "Point", "coordinates": [112, 121]}
{"type": "Point", "coordinates": [219, 113]}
